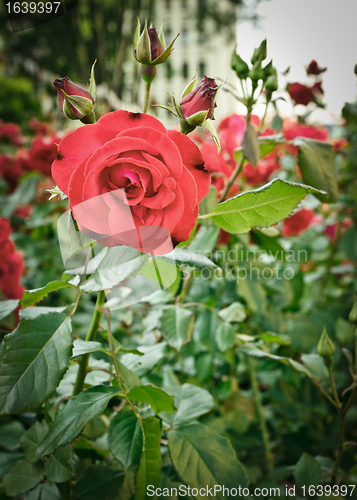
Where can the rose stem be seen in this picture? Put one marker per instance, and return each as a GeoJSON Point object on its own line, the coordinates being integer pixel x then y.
{"type": "Point", "coordinates": [83, 364]}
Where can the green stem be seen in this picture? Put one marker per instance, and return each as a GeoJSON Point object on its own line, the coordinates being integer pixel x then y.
{"type": "Point", "coordinates": [232, 178]}
{"type": "Point", "coordinates": [341, 435]}
{"type": "Point", "coordinates": [146, 97]}
{"type": "Point", "coordinates": [83, 364]}
{"type": "Point", "coordinates": [333, 385]}
{"type": "Point", "coordinates": [258, 403]}
{"type": "Point", "coordinates": [115, 362]}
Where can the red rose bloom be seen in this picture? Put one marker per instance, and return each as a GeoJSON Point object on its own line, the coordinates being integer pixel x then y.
{"type": "Point", "coordinates": [314, 69]}
{"type": "Point", "coordinates": [298, 222]}
{"type": "Point", "coordinates": [130, 181]}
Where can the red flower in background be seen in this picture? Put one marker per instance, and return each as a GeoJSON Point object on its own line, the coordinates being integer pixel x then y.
{"type": "Point", "coordinates": [302, 94]}
{"type": "Point", "coordinates": [42, 153]}
{"type": "Point", "coordinates": [261, 174]}
{"type": "Point", "coordinates": [11, 132]}
{"type": "Point", "coordinates": [298, 222]}
{"type": "Point", "coordinates": [11, 264]}
{"type": "Point", "coordinates": [219, 169]}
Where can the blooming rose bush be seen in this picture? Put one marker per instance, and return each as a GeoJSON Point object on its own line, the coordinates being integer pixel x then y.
{"type": "Point", "coordinates": [160, 174]}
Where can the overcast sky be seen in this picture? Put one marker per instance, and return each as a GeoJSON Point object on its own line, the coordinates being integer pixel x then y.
{"type": "Point", "coordinates": [301, 30]}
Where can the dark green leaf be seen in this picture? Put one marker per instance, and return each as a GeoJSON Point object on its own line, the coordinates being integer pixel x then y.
{"type": "Point", "coordinates": [31, 297]}
{"type": "Point", "coordinates": [177, 326]}
{"type": "Point", "coordinates": [10, 434]}
{"type": "Point", "coordinates": [98, 482]}
{"type": "Point", "coordinates": [35, 358]}
{"type": "Point", "coordinates": [224, 336]}
{"type": "Point", "coordinates": [8, 460]}
{"type": "Point", "coordinates": [307, 471]}
{"type": "Point", "coordinates": [59, 466]}
{"type": "Point", "coordinates": [316, 160]}
{"type": "Point", "coordinates": [71, 420]}
{"type": "Point", "coordinates": [203, 458]}
{"type": "Point", "coordinates": [155, 397]}
{"type": "Point", "coordinates": [150, 468]}
{"type": "Point", "coordinates": [129, 378]}
{"type": "Point", "coordinates": [7, 307]}
{"type": "Point", "coordinates": [191, 402]}
{"type": "Point", "coordinates": [125, 437]}
{"type": "Point", "coordinates": [44, 491]}
{"type": "Point", "coordinates": [32, 438]}
{"type": "Point", "coordinates": [23, 477]}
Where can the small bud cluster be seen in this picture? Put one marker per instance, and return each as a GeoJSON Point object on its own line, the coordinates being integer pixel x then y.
{"type": "Point", "coordinates": [257, 72]}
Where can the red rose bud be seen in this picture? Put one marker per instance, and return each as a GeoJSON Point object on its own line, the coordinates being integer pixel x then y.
{"type": "Point", "coordinates": [149, 47]}
{"type": "Point", "coordinates": [76, 102]}
{"type": "Point", "coordinates": [314, 69]}
{"type": "Point", "coordinates": [197, 106]}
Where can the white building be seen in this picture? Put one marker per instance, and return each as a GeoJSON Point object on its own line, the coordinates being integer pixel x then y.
{"type": "Point", "coordinates": [211, 57]}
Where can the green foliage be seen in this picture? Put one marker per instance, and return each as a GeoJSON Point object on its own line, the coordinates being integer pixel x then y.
{"type": "Point", "coordinates": [71, 420]}
{"type": "Point", "coordinates": [317, 163]}
{"type": "Point", "coordinates": [149, 472]}
{"type": "Point", "coordinates": [43, 346]}
{"type": "Point", "coordinates": [177, 326]}
{"type": "Point", "coordinates": [125, 437]}
{"type": "Point", "coordinates": [260, 208]}
{"type": "Point", "coordinates": [203, 458]}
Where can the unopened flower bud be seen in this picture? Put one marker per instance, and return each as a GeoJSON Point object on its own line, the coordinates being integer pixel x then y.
{"type": "Point", "coordinates": [325, 347]}
{"type": "Point", "coordinates": [75, 102]}
{"type": "Point", "coordinates": [256, 73]}
{"type": "Point", "coordinates": [353, 314]}
{"type": "Point", "coordinates": [149, 46]}
{"type": "Point", "coordinates": [269, 69]}
{"type": "Point", "coordinates": [198, 105]}
{"type": "Point", "coordinates": [239, 66]}
{"type": "Point", "coordinates": [314, 69]}
{"type": "Point", "coordinates": [271, 83]}
{"type": "Point", "coordinates": [260, 53]}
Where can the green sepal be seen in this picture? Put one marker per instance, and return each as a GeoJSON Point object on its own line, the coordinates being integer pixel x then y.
{"type": "Point", "coordinates": [190, 86]}
{"type": "Point", "coordinates": [198, 118]}
{"type": "Point", "coordinates": [208, 125]}
{"type": "Point", "coordinates": [143, 53]}
{"type": "Point", "coordinates": [82, 104]}
{"type": "Point", "coordinates": [92, 84]}
{"type": "Point", "coordinates": [162, 37]}
{"type": "Point", "coordinates": [165, 55]}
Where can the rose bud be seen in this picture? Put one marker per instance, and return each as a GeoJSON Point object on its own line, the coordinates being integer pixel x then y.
{"type": "Point", "coordinates": [149, 47]}
{"type": "Point", "coordinates": [325, 347]}
{"type": "Point", "coordinates": [314, 69]}
{"type": "Point", "coordinates": [239, 65]}
{"type": "Point", "coordinates": [198, 105]}
{"type": "Point", "coordinates": [76, 102]}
